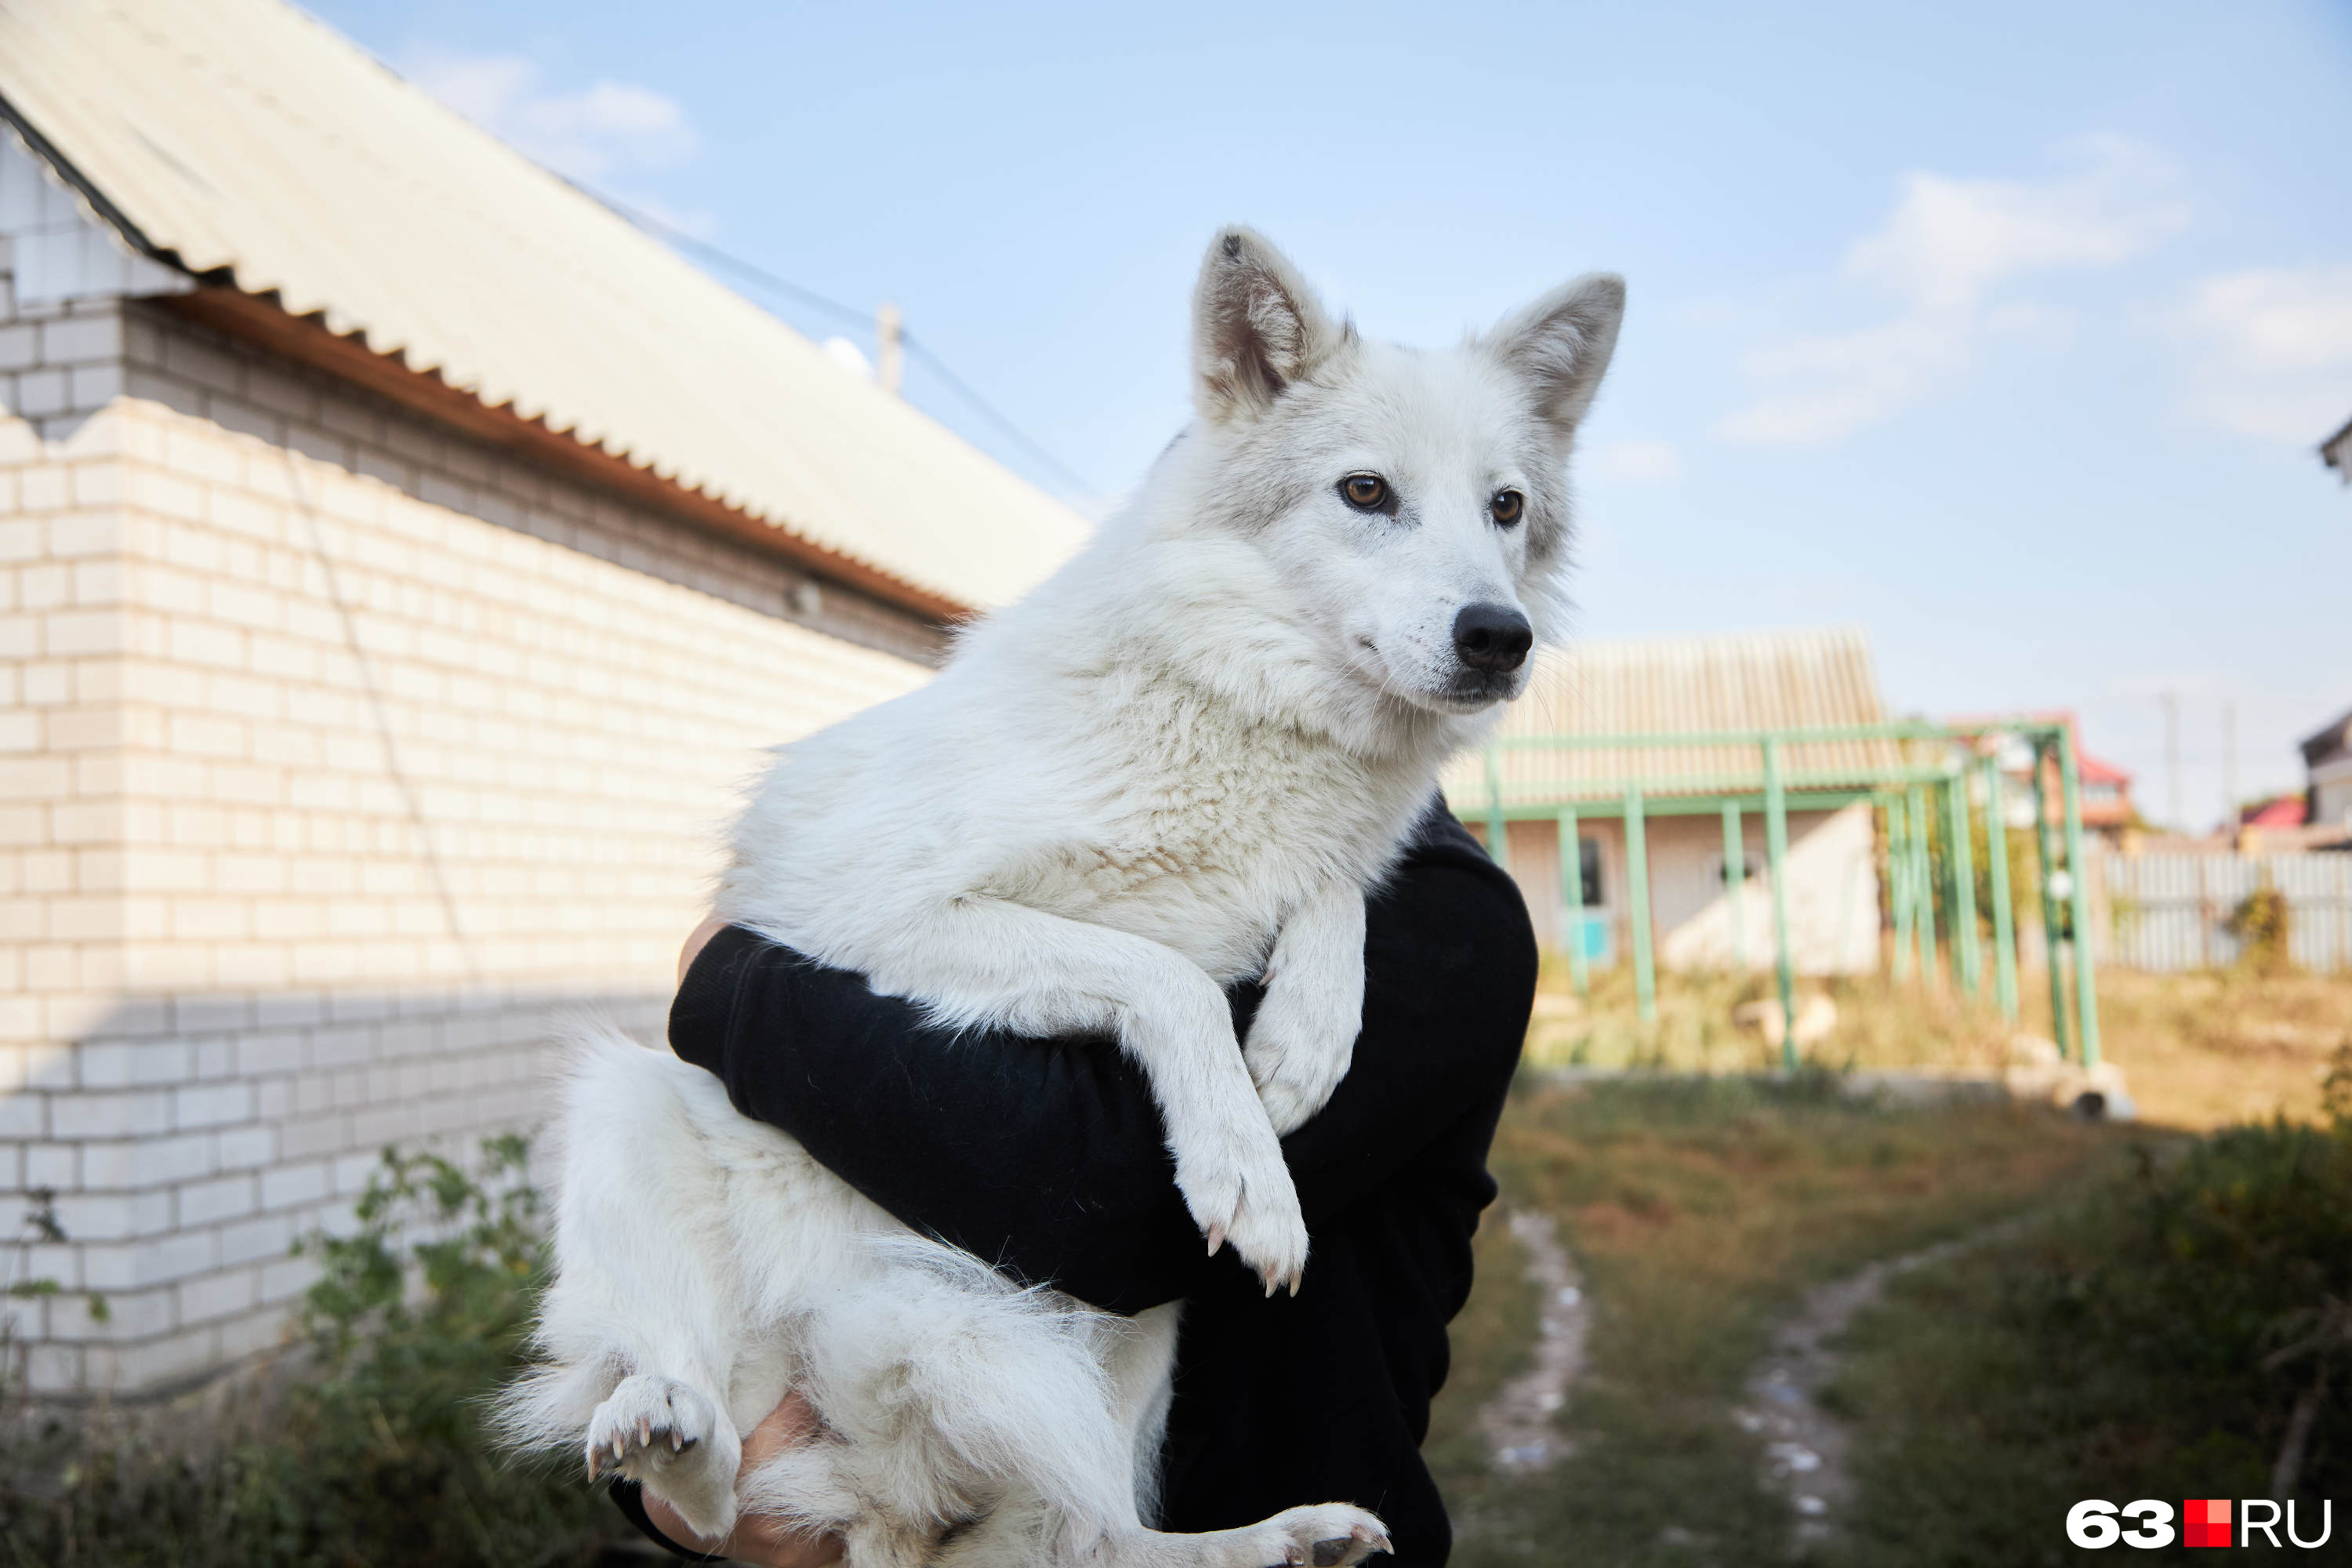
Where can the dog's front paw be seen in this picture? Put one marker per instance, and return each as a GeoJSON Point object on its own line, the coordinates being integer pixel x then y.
{"type": "Point", "coordinates": [1296, 1063]}
{"type": "Point", "coordinates": [664, 1433]}
{"type": "Point", "coordinates": [1246, 1198]}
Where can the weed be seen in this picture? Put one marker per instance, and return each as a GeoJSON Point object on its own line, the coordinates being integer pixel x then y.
{"type": "Point", "coordinates": [2184, 1332]}
{"type": "Point", "coordinates": [377, 1451]}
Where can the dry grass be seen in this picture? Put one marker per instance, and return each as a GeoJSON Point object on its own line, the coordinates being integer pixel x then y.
{"type": "Point", "coordinates": [2199, 1050]}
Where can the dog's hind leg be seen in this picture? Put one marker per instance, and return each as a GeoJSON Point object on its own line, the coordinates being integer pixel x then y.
{"type": "Point", "coordinates": [645, 1289]}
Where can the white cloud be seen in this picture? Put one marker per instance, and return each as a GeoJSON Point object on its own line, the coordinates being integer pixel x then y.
{"type": "Point", "coordinates": [1637, 462]}
{"type": "Point", "coordinates": [2274, 351]}
{"type": "Point", "coordinates": [1828, 387]}
{"type": "Point", "coordinates": [1950, 240]}
{"type": "Point", "coordinates": [589, 134]}
{"type": "Point", "coordinates": [1948, 245]}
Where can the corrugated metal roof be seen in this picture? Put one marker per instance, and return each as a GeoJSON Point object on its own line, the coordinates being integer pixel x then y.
{"type": "Point", "coordinates": [241, 136]}
{"type": "Point", "coordinates": [1760, 680]}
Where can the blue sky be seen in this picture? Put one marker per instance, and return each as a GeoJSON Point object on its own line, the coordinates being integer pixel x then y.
{"type": "Point", "coordinates": [2005, 330]}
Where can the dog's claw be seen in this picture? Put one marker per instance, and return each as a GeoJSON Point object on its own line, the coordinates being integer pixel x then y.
{"type": "Point", "coordinates": [646, 1431]}
{"type": "Point", "coordinates": [1216, 1238]}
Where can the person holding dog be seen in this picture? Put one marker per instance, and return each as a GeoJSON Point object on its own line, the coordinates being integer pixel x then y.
{"type": "Point", "coordinates": [1046, 1157]}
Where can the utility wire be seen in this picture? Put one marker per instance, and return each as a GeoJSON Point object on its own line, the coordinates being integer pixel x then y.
{"type": "Point", "coordinates": [957, 385]}
{"type": "Point", "coordinates": [678, 238]}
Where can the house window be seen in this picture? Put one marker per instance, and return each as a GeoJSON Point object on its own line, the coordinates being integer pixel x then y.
{"type": "Point", "coordinates": [1588, 855]}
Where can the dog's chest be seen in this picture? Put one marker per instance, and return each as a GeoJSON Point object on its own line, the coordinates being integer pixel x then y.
{"type": "Point", "coordinates": [1203, 828]}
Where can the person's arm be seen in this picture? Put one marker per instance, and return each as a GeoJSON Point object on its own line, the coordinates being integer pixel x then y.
{"type": "Point", "coordinates": [1047, 1157]}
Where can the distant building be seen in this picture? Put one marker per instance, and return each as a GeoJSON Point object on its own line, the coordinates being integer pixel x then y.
{"type": "Point", "coordinates": [1767, 680]}
{"type": "Point", "coordinates": [2327, 764]}
{"type": "Point", "coordinates": [2279, 811]}
{"type": "Point", "coordinates": [406, 560]}
{"type": "Point", "coordinates": [2106, 790]}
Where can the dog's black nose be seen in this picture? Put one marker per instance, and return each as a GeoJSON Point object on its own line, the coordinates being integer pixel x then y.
{"type": "Point", "coordinates": [1492, 638]}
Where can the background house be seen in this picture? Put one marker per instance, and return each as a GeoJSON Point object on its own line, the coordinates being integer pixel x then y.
{"type": "Point", "coordinates": [2327, 764]}
{"type": "Point", "coordinates": [1767, 680]}
{"type": "Point", "coordinates": [2105, 790]}
{"type": "Point", "coordinates": [404, 561]}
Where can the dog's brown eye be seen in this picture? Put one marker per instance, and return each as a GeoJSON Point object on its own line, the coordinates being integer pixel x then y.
{"type": "Point", "coordinates": [1506, 506]}
{"type": "Point", "coordinates": [1365, 492]}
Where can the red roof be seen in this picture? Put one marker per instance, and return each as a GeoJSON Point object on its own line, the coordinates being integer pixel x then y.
{"type": "Point", "coordinates": [2091, 770]}
{"type": "Point", "coordinates": [2286, 811]}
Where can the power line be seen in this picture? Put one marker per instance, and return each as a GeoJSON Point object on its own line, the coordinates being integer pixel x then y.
{"type": "Point", "coordinates": [678, 238]}
{"type": "Point", "coordinates": [956, 384]}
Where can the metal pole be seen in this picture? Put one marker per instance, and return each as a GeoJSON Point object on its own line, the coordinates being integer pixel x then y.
{"type": "Point", "coordinates": [2004, 924]}
{"type": "Point", "coordinates": [1498, 843]}
{"type": "Point", "coordinates": [2086, 993]}
{"type": "Point", "coordinates": [1898, 888]}
{"type": "Point", "coordinates": [1923, 884]}
{"type": "Point", "coordinates": [2049, 854]}
{"type": "Point", "coordinates": [1964, 885]}
{"type": "Point", "coordinates": [1776, 851]}
{"type": "Point", "coordinates": [1572, 888]}
{"type": "Point", "coordinates": [1637, 896]}
{"type": "Point", "coordinates": [2175, 818]}
{"type": "Point", "coordinates": [889, 348]}
{"type": "Point", "coordinates": [1735, 885]}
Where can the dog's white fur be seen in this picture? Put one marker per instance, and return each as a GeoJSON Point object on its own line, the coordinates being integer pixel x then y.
{"type": "Point", "coordinates": [1181, 762]}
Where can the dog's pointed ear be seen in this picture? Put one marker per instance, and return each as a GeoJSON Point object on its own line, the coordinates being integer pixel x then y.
{"type": "Point", "coordinates": [1562, 344]}
{"type": "Point", "coordinates": [1256, 327]}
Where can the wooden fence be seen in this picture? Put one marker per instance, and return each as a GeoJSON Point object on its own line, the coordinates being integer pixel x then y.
{"type": "Point", "coordinates": [2172, 911]}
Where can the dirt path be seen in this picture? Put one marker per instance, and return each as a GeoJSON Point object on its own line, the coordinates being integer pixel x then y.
{"type": "Point", "coordinates": [1805, 1447]}
{"type": "Point", "coordinates": [1521, 1421]}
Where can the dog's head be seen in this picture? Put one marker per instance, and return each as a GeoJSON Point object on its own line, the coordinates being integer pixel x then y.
{"type": "Point", "coordinates": [1413, 503]}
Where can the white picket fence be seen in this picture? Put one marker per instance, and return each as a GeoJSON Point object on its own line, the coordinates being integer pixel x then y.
{"type": "Point", "coordinates": [2172, 911]}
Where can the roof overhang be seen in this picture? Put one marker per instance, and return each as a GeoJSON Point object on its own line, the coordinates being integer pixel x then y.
{"type": "Point", "coordinates": [307, 340]}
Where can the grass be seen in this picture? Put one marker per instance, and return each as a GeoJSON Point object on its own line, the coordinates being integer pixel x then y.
{"type": "Point", "coordinates": [2114, 1347]}
{"type": "Point", "coordinates": [370, 1452]}
{"type": "Point", "coordinates": [2199, 1051]}
{"type": "Point", "coordinates": [1699, 1211]}
{"type": "Point", "coordinates": [2157, 1340]}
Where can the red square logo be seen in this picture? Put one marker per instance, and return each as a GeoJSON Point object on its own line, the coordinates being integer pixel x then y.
{"type": "Point", "coordinates": [2205, 1522]}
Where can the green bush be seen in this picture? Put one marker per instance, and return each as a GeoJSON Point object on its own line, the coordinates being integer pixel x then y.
{"type": "Point", "coordinates": [2182, 1333]}
{"type": "Point", "coordinates": [378, 1452]}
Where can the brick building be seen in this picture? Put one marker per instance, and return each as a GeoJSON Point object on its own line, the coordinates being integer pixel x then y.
{"type": "Point", "coordinates": [402, 560]}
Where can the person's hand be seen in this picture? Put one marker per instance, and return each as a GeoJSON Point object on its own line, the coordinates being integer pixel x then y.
{"type": "Point", "coordinates": [709, 928]}
{"type": "Point", "coordinates": [758, 1538]}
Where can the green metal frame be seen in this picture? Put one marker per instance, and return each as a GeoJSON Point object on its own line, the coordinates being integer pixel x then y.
{"type": "Point", "coordinates": [1913, 794]}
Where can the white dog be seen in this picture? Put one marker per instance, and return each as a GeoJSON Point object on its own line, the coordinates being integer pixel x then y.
{"type": "Point", "coordinates": [1181, 763]}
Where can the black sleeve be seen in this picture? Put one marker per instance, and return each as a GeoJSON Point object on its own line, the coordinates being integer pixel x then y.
{"type": "Point", "coordinates": [630, 1498]}
{"type": "Point", "coordinates": [1046, 1157]}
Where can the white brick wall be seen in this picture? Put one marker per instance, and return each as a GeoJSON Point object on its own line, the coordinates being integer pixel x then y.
{"type": "Point", "coordinates": [337, 750]}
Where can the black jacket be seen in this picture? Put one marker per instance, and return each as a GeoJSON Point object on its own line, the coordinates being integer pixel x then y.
{"type": "Point", "coordinates": [1046, 1157]}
